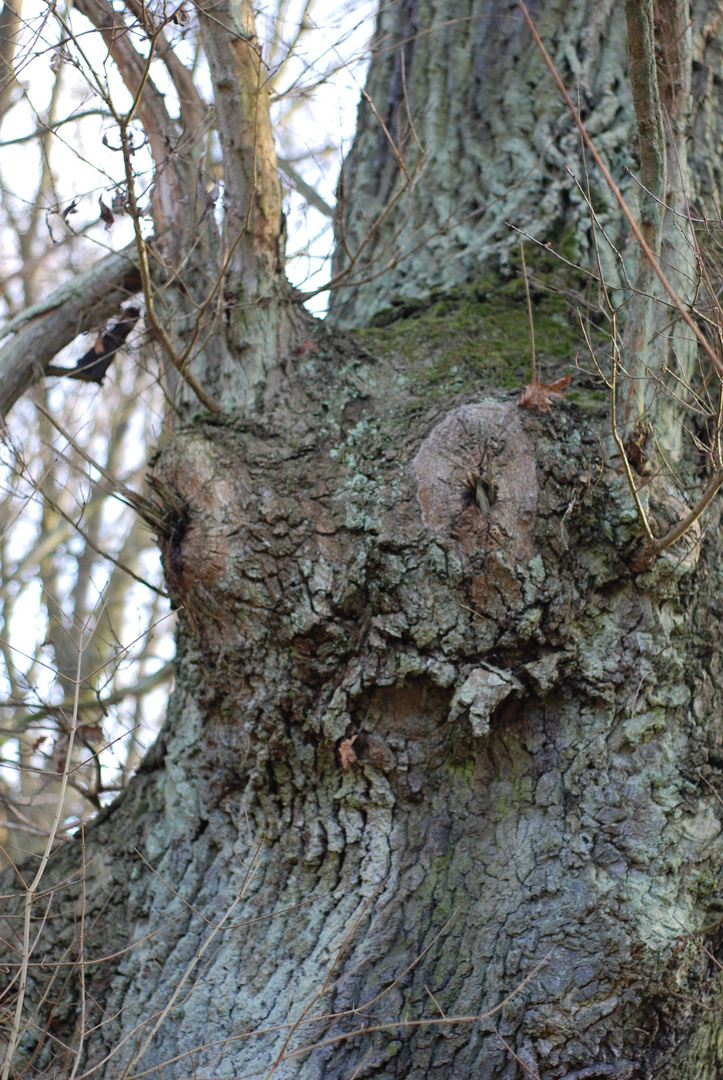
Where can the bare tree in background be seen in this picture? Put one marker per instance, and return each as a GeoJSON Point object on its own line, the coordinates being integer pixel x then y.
{"type": "Point", "coordinates": [437, 791]}
{"type": "Point", "coordinates": [66, 508]}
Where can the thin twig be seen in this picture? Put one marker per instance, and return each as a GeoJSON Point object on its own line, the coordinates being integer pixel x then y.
{"type": "Point", "coordinates": [529, 311]}
{"type": "Point", "coordinates": [81, 960]}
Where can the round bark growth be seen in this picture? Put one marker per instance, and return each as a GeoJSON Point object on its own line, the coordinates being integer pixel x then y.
{"type": "Point", "coordinates": [478, 482]}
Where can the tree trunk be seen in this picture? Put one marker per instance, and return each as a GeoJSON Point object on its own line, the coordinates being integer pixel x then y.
{"type": "Point", "coordinates": [437, 793]}
{"type": "Point", "coordinates": [476, 140]}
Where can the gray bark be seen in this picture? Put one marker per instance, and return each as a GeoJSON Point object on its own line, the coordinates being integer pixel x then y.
{"type": "Point", "coordinates": [470, 108]}
{"type": "Point", "coordinates": [10, 24]}
{"type": "Point", "coordinates": [496, 138]}
{"type": "Point", "coordinates": [533, 726]}
{"type": "Point", "coordinates": [383, 548]}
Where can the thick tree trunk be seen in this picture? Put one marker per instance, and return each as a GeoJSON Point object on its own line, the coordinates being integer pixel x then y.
{"type": "Point", "coordinates": [476, 139]}
{"type": "Point", "coordinates": [471, 110]}
{"type": "Point", "coordinates": [437, 794]}
{"type": "Point", "coordinates": [536, 735]}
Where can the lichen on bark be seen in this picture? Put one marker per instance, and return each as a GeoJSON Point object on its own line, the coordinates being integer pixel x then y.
{"type": "Point", "coordinates": [528, 833]}
{"type": "Point", "coordinates": [531, 726]}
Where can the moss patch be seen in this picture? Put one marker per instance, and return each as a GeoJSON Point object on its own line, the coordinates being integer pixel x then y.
{"type": "Point", "coordinates": [477, 337]}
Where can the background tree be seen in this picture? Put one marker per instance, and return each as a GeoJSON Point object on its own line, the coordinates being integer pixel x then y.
{"type": "Point", "coordinates": [436, 794]}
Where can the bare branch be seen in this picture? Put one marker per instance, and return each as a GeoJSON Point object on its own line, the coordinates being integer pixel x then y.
{"type": "Point", "coordinates": [40, 332]}
{"type": "Point", "coordinates": [168, 190]}
{"type": "Point", "coordinates": [10, 22]}
{"type": "Point", "coordinates": [305, 190]}
{"type": "Point", "coordinates": [191, 103]}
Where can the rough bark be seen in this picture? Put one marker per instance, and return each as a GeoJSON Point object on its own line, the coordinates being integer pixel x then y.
{"type": "Point", "coordinates": [10, 23]}
{"type": "Point", "coordinates": [469, 106]}
{"type": "Point", "coordinates": [470, 88]}
{"type": "Point", "coordinates": [435, 752]}
{"type": "Point", "coordinates": [531, 720]}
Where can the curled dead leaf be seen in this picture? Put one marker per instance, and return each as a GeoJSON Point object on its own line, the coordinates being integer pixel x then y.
{"type": "Point", "coordinates": [538, 395]}
{"type": "Point", "coordinates": [59, 755]}
{"type": "Point", "coordinates": [105, 213]}
{"type": "Point", "coordinates": [346, 753]}
{"type": "Point", "coordinates": [308, 346]}
{"type": "Point", "coordinates": [91, 735]}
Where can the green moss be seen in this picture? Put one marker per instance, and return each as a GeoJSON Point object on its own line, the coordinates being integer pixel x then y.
{"type": "Point", "coordinates": [477, 337]}
{"type": "Point", "coordinates": [464, 768]}
{"type": "Point", "coordinates": [589, 399]}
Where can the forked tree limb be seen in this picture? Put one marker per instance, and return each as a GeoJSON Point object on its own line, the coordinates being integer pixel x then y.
{"type": "Point", "coordinates": [192, 106]}
{"type": "Point", "coordinates": [40, 332]}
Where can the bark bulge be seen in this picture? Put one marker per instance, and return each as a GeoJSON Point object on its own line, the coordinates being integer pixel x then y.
{"type": "Point", "coordinates": [528, 731]}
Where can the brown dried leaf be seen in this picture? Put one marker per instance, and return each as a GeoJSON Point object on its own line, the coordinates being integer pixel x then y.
{"type": "Point", "coordinates": [538, 395]}
{"type": "Point", "coordinates": [105, 213]}
{"type": "Point", "coordinates": [347, 755]}
{"type": "Point", "coordinates": [308, 346]}
{"type": "Point", "coordinates": [59, 756]}
{"type": "Point", "coordinates": [636, 447]}
{"type": "Point", "coordinates": [91, 734]}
